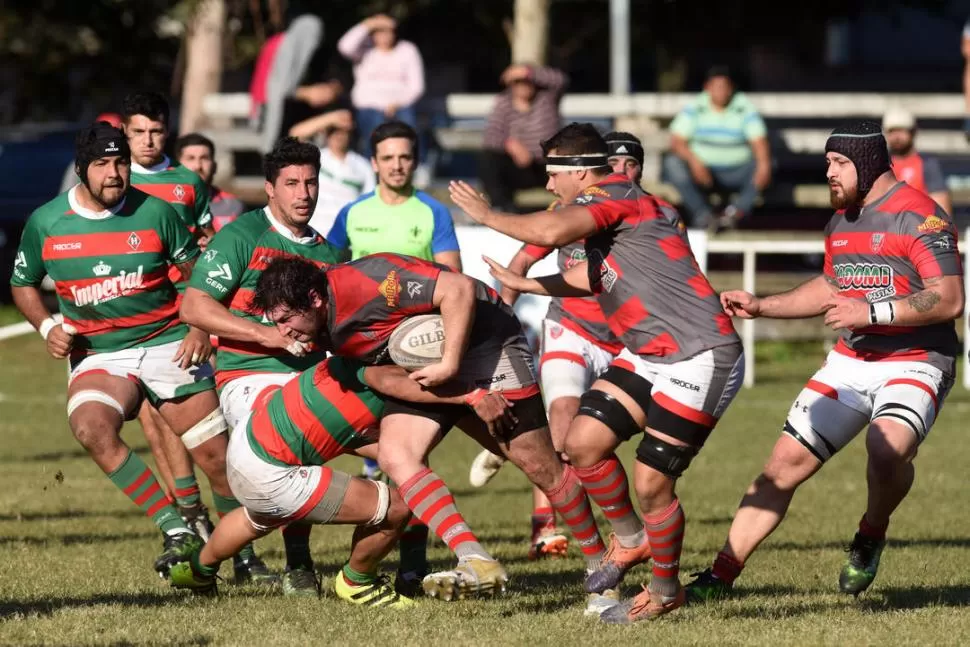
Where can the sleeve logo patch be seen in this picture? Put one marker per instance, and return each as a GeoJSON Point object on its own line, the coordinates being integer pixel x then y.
{"type": "Point", "coordinates": [390, 289]}
{"type": "Point", "coordinates": [596, 191]}
{"type": "Point", "coordinates": [932, 225]}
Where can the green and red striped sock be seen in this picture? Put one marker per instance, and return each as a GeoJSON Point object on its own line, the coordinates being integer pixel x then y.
{"type": "Point", "coordinates": [137, 481]}
{"type": "Point", "coordinates": [187, 491]}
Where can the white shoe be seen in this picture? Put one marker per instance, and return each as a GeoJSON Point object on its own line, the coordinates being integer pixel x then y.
{"type": "Point", "coordinates": [485, 466]}
{"type": "Point", "coordinates": [597, 603]}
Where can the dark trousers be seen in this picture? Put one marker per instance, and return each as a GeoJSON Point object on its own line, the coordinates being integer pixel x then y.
{"type": "Point", "coordinates": [501, 178]}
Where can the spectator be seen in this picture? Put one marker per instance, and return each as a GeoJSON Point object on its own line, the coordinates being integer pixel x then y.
{"type": "Point", "coordinates": [198, 154]}
{"type": "Point", "coordinates": [344, 174]}
{"type": "Point", "coordinates": [388, 75]}
{"type": "Point", "coordinates": [524, 114]}
{"type": "Point", "coordinates": [719, 144]}
{"type": "Point", "coordinates": [919, 171]}
{"type": "Point", "coordinates": [70, 175]}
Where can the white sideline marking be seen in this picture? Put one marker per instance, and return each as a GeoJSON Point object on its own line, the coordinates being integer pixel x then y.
{"type": "Point", "coordinates": [21, 328]}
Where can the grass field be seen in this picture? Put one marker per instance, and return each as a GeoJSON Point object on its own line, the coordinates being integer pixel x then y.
{"type": "Point", "coordinates": [75, 554]}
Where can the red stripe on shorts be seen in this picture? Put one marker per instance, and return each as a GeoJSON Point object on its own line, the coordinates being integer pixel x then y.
{"type": "Point", "coordinates": [919, 385]}
{"type": "Point", "coordinates": [683, 410]}
{"type": "Point", "coordinates": [326, 475]}
{"type": "Point", "coordinates": [575, 358]}
{"type": "Point", "coordinates": [824, 389]}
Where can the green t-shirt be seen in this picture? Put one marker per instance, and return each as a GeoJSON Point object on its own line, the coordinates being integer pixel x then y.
{"type": "Point", "coordinates": [720, 138]}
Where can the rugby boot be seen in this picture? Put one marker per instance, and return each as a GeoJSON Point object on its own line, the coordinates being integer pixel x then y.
{"type": "Point", "coordinates": [485, 466]}
{"type": "Point", "coordinates": [597, 603]}
{"type": "Point", "coordinates": [862, 564]}
{"type": "Point", "coordinates": [182, 576]}
{"type": "Point", "coordinates": [548, 543]}
{"type": "Point", "coordinates": [378, 593]}
{"type": "Point", "coordinates": [177, 548]}
{"type": "Point", "coordinates": [705, 587]}
{"type": "Point", "coordinates": [645, 606]}
{"type": "Point", "coordinates": [300, 582]}
{"type": "Point", "coordinates": [196, 517]}
{"type": "Point", "coordinates": [473, 577]}
{"type": "Point", "coordinates": [617, 561]}
{"type": "Point", "coordinates": [253, 570]}
{"type": "Point", "coordinates": [408, 583]}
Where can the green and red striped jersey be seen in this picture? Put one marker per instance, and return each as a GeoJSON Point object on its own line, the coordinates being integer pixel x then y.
{"type": "Point", "coordinates": [110, 269]}
{"type": "Point", "coordinates": [228, 272]}
{"type": "Point", "coordinates": [179, 187]}
{"type": "Point", "coordinates": [324, 412]}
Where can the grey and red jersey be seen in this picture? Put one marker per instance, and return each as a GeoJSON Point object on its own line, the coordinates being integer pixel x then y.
{"type": "Point", "coordinates": [582, 315]}
{"type": "Point", "coordinates": [645, 278]}
{"type": "Point", "coordinates": [885, 253]}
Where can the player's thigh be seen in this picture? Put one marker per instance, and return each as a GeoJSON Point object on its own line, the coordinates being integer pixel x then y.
{"type": "Point", "coordinates": [409, 431]}
{"type": "Point", "coordinates": [165, 382]}
{"type": "Point", "coordinates": [905, 406]}
{"type": "Point", "coordinates": [95, 397]}
{"type": "Point", "coordinates": [831, 410]}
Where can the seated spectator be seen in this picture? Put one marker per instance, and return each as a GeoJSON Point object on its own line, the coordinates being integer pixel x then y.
{"type": "Point", "coordinates": [198, 154]}
{"type": "Point", "coordinates": [718, 144]}
{"type": "Point", "coordinates": [388, 75]}
{"type": "Point", "coordinates": [344, 174]}
{"type": "Point", "coordinates": [915, 169]}
{"type": "Point", "coordinates": [524, 114]}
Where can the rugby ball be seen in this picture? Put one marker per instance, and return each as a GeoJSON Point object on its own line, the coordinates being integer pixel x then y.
{"type": "Point", "coordinates": [417, 342]}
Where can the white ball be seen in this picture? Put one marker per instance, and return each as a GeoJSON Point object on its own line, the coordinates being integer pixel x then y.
{"type": "Point", "coordinates": [417, 342]}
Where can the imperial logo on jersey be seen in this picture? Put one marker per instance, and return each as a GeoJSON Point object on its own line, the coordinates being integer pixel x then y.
{"type": "Point", "coordinates": [112, 288]}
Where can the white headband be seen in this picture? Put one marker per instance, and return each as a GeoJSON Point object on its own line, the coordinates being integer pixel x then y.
{"type": "Point", "coordinates": [581, 162]}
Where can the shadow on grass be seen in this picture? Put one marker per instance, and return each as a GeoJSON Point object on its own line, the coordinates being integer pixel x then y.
{"type": "Point", "coordinates": [191, 641]}
{"type": "Point", "coordinates": [546, 592]}
{"type": "Point", "coordinates": [896, 598]}
{"type": "Point", "coordinates": [13, 608]}
{"type": "Point", "coordinates": [927, 542]}
{"type": "Point", "coordinates": [79, 538]}
{"type": "Point", "coordinates": [47, 457]}
{"type": "Point", "coordinates": [72, 514]}
{"type": "Point", "coordinates": [469, 492]}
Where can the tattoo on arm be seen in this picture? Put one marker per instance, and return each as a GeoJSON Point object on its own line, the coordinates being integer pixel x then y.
{"type": "Point", "coordinates": [924, 301]}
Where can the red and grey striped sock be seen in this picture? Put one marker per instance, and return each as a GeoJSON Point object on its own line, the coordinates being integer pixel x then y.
{"type": "Point", "coordinates": [569, 500]}
{"type": "Point", "coordinates": [726, 568]}
{"type": "Point", "coordinates": [665, 531]}
{"type": "Point", "coordinates": [542, 519]}
{"type": "Point", "coordinates": [606, 484]}
{"type": "Point", "coordinates": [431, 501]}
{"type": "Point", "coordinates": [137, 481]}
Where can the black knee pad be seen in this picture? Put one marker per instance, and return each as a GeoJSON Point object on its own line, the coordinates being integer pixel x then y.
{"type": "Point", "coordinates": [608, 410]}
{"type": "Point", "coordinates": [667, 459]}
{"type": "Point", "coordinates": [633, 385]}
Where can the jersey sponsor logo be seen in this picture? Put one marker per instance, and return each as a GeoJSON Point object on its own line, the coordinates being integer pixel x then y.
{"type": "Point", "coordinates": [108, 289]}
{"type": "Point", "coordinates": [584, 199]}
{"type": "Point", "coordinates": [841, 242]}
{"type": "Point", "coordinates": [133, 241]}
{"type": "Point", "coordinates": [880, 294]}
{"type": "Point", "coordinates": [101, 269]}
{"type": "Point", "coordinates": [555, 331]}
{"type": "Point", "coordinates": [942, 243]}
{"type": "Point", "coordinates": [111, 148]}
{"type": "Point", "coordinates": [876, 241]}
{"type": "Point", "coordinates": [596, 191]}
{"type": "Point", "coordinates": [490, 380]}
{"type": "Point", "coordinates": [222, 271]}
{"type": "Point", "coordinates": [607, 275]}
{"type": "Point", "coordinates": [414, 289]}
{"type": "Point", "coordinates": [67, 247]}
{"type": "Point", "coordinates": [19, 265]}
{"type": "Point", "coordinates": [866, 276]}
{"type": "Point", "coordinates": [179, 192]}
{"type": "Point", "coordinates": [685, 385]}
{"type": "Point", "coordinates": [932, 225]}
{"type": "Point", "coordinates": [575, 257]}
{"type": "Point", "coordinates": [209, 255]}
{"type": "Point", "coordinates": [390, 289]}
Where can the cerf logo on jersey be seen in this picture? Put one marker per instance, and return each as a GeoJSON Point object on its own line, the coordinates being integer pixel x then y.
{"type": "Point", "coordinates": [390, 289]}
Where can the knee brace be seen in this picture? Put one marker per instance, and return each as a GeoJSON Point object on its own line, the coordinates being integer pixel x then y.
{"type": "Point", "coordinates": [608, 410]}
{"type": "Point", "coordinates": [383, 504]}
{"type": "Point", "coordinates": [209, 427]}
{"type": "Point", "coordinates": [82, 397]}
{"type": "Point", "coordinates": [667, 459]}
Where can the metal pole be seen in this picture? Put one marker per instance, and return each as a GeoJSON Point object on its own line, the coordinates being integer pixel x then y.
{"type": "Point", "coordinates": [747, 326]}
{"type": "Point", "coordinates": [620, 47]}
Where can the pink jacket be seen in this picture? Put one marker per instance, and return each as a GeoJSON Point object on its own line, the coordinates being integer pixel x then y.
{"type": "Point", "coordinates": [382, 78]}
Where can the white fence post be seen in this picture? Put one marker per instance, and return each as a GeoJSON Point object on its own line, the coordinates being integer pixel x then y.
{"type": "Point", "coordinates": [747, 325]}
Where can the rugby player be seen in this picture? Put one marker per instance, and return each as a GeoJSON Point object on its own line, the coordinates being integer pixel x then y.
{"type": "Point", "coordinates": [253, 355]}
{"type": "Point", "coordinates": [197, 153]}
{"type": "Point", "coordinates": [681, 365]}
{"type": "Point", "coordinates": [277, 465]}
{"type": "Point", "coordinates": [353, 308]}
{"type": "Point", "coordinates": [145, 120]}
{"type": "Point", "coordinates": [108, 251]}
{"type": "Point", "coordinates": [892, 283]}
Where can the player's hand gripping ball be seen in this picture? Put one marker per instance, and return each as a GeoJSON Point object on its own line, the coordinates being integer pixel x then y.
{"type": "Point", "coordinates": [417, 342]}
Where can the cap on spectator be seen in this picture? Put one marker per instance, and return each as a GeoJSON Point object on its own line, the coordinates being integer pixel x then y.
{"type": "Point", "coordinates": [898, 118]}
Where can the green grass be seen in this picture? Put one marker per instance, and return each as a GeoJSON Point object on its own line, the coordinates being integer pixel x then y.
{"type": "Point", "coordinates": [75, 555]}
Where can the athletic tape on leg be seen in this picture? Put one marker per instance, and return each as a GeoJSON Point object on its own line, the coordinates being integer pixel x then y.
{"type": "Point", "coordinates": [209, 427]}
{"type": "Point", "coordinates": [82, 397]}
{"type": "Point", "coordinates": [383, 503]}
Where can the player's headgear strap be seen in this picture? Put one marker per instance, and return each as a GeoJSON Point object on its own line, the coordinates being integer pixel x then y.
{"type": "Point", "coordinates": [555, 163]}
{"type": "Point", "coordinates": [864, 144]}
{"type": "Point", "coordinates": [625, 146]}
{"type": "Point", "coordinates": [100, 139]}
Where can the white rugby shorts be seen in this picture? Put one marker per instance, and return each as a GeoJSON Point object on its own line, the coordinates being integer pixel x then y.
{"type": "Point", "coordinates": [568, 363]}
{"type": "Point", "coordinates": [239, 395]}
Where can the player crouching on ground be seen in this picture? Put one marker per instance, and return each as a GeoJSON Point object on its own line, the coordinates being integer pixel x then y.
{"type": "Point", "coordinates": [352, 309]}
{"type": "Point", "coordinates": [680, 368]}
{"type": "Point", "coordinates": [277, 468]}
{"type": "Point", "coordinates": [108, 250]}
{"type": "Point", "coordinates": [892, 283]}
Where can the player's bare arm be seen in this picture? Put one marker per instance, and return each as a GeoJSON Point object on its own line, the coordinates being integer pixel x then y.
{"type": "Point", "coordinates": [520, 264]}
{"type": "Point", "coordinates": [546, 228]}
{"type": "Point", "coordinates": [201, 310]}
{"type": "Point", "coordinates": [30, 303]}
{"type": "Point", "coordinates": [491, 407]}
{"type": "Point", "coordinates": [809, 299]}
{"type": "Point", "coordinates": [942, 299]}
{"type": "Point", "coordinates": [450, 259]}
{"type": "Point", "coordinates": [574, 282]}
{"type": "Point", "coordinates": [454, 296]}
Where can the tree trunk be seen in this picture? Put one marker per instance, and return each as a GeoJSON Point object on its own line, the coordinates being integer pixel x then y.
{"type": "Point", "coordinates": [531, 31]}
{"type": "Point", "coordinates": [203, 69]}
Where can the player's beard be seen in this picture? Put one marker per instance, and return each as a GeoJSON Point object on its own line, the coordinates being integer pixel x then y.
{"type": "Point", "coordinates": [108, 196]}
{"type": "Point", "coordinates": [845, 200]}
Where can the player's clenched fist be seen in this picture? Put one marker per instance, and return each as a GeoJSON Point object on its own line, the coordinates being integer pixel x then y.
{"type": "Point", "coordinates": [739, 303]}
{"type": "Point", "coordinates": [194, 350]}
{"type": "Point", "coordinates": [60, 340]}
{"type": "Point", "coordinates": [494, 410]}
{"type": "Point", "coordinates": [435, 374]}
